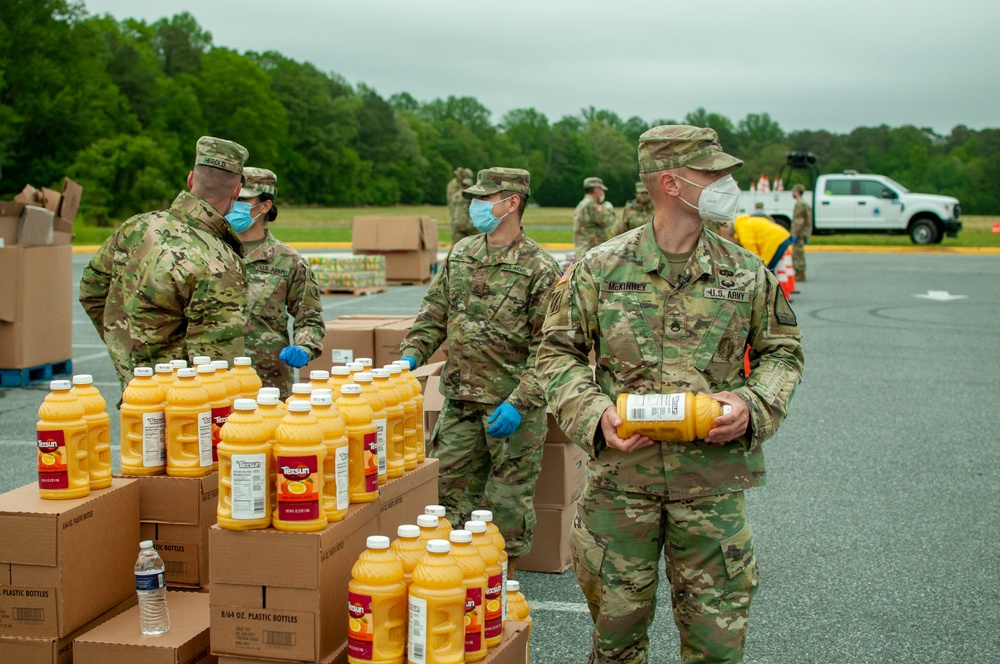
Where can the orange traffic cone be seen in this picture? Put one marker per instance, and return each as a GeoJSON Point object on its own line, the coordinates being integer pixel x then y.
{"type": "Point", "coordinates": [790, 271]}
{"type": "Point", "coordinates": [782, 276]}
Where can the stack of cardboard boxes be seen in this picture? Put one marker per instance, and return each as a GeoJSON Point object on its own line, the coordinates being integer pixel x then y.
{"type": "Point", "coordinates": [378, 337]}
{"type": "Point", "coordinates": [409, 245]}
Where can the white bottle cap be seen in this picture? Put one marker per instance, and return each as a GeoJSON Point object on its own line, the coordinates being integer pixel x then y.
{"type": "Point", "coordinates": [438, 546]}
{"type": "Point", "coordinates": [364, 361]}
{"type": "Point", "coordinates": [482, 515]}
{"type": "Point", "coordinates": [179, 364]}
{"type": "Point", "coordinates": [299, 406]}
{"type": "Point", "coordinates": [302, 388]}
{"type": "Point", "coordinates": [377, 542]}
{"type": "Point", "coordinates": [164, 368]}
{"type": "Point", "coordinates": [402, 364]}
{"type": "Point", "coordinates": [245, 404]}
{"type": "Point", "coordinates": [143, 372]}
{"type": "Point", "coordinates": [267, 399]}
{"type": "Point", "coordinates": [340, 371]}
{"type": "Point", "coordinates": [60, 385]}
{"type": "Point", "coordinates": [427, 521]}
{"type": "Point", "coordinates": [475, 526]}
{"type": "Point", "coordinates": [436, 510]}
{"type": "Point", "coordinates": [84, 379]}
{"type": "Point", "coordinates": [350, 388]}
{"type": "Point", "coordinates": [205, 368]}
{"type": "Point", "coordinates": [355, 366]}
{"type": "Point", "coordinates": [321, 397]}
{"type": "Point", "coordinates": [393, 369]}
{"type": "Point", "coordinates": [513, 586]}
{"type": "Point", "coordinates": [319, 374]}
{"type": "Point", "coordinates": [408, 531]}
{"type": "Point", "coordinates": [201, 359]}
{"type": "Point", "coordinates": [363, 377]}
{"type": "Point", "coordinates": [460, 536]}
{"type": "Point", "coordinates": [242, 361]}
{"type": "Point", "coordinates": [220, 364]}
{"type": "Point", "coordinates": [187, 373]}
{"type": "Point", "coordinates": [270, 390]}
{"type": "Point", "coordinates": [381, 373]}
{"type": "Point", "coordinates": [146, 544]}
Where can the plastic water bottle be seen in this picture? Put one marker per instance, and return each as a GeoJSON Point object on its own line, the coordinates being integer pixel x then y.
{"type": "Point", "coordinates": [152, 589]}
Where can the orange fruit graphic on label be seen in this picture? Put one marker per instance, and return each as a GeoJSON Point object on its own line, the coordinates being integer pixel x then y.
{"type": "Point", "coordinates": [493, 605]}
{"type": "Point", "coordinates": [48, 459]}
{"type": "Point", "coordinates": [355, 625]}
{"type": "Point", "coordinates": [296, 487]}
{"type": "Point", "coordinates": [468, 620]}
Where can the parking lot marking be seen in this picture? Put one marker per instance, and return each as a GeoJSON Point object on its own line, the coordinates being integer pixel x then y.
{"type": "Point", "coordinates": [561, 607]}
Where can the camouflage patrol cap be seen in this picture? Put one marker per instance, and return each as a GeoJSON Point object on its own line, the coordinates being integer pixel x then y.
{"type": "Point", "coordinates": [466, 173]}
{"type": "Point", "coordinates": [640, 188]}
{"type": "Point", "coordinates": [259, 181]}
{"type": "Point", "coordinates": [220, 153]}
{"type": "Point", "coordinates": [672, 146]}
{"type": "Point", "coordinates": [591, 182]}
{"type": "Point", "coordinates": [492, 180]}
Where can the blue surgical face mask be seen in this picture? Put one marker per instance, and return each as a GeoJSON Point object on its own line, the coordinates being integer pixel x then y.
{"type": "Point", "coordinates": [481, 213]}
{"type": "Point", "coordinates": [239, 217]}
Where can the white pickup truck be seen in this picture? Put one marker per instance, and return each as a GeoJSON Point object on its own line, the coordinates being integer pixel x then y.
{"type": "Point", "coordinates": [859, 203]}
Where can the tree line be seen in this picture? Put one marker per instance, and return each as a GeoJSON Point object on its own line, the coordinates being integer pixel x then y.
{"type": "Point", "coordinates": [118, 106]}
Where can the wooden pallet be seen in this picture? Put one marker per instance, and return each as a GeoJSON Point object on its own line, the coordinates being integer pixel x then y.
{"type": "Point", "coordinates": [43, 372]}
{"type": "Point", "coordinates": [360, 290]}
{"type": "Point", "coordinates": [409, 282]}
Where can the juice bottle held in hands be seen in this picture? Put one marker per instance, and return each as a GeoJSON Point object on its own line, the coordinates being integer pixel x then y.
{"type": "Point", "coordinates": [143, 425]}
{"type": "Point", "coordinates": [336, 496]}
{"type": "Point", "coordinates": [469, 560]}
{"type": "Point", "coordinates": [244, 469]}
{"type": "Point", "coordinates": [98, 430]}
{"type": "Point", "coordinates": [218, 401]}
{"type": "Point", "coordinates": [494, 619]}
{"type": "Point", "coordinates": [437, 608]}
{"type": "Point", "coordinates": [394, 413]}
{"type": "Point", "coordinates": [250, 382]}
{"type": "Point", "coordinates": [362, 440]}
{"type": "Point", "coordinates": [300, 453]}
{"type": "Point", "coordinates": [683, 416]}
{"type": "Point", "coordinates": [63, 457]}
{"type": "Point", "coordinates": [189, 427]}
{"type": "Point", "coordinates": [376, 606]}
{"type": "Point", "coordinates": [379, 419]}
{"type": "Point", "coordinates": [409, 548]}
{"type": "Point", "coordinates": [410, 415]}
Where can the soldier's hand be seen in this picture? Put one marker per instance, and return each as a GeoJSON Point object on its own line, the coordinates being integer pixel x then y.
{"type": "Point", "coordinates": [733, 424]}
{"type": "Point", "coordinates": [609, 425]}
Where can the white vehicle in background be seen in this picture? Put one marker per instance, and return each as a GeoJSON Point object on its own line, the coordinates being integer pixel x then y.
{"type": "Point", "coordinates": [853, 202]}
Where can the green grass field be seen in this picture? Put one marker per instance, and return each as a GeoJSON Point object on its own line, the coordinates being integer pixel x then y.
{"type": "Point", "coordinates": [545, 225]}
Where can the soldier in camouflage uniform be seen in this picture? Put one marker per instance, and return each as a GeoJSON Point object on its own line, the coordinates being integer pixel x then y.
{"type": "Point", "coordinates": [170, 284]}
{"type": "Point", "coordinates": [636, 212]}
{"type": "Point", "coordinates": [280, 285]}
{"type": "Point", "coordinates": [669, 308]}
{"type": "Point", "coordinates": [489, 300]}
{"type": "Point", "coordinates": [591, 220]}
{"type": "Point", "coordinates": [458, 207]}
{"type": "Point", "coordinates": [802, 224]}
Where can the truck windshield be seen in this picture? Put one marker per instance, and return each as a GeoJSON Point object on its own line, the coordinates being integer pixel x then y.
{"type": "Point", "coordinates": [901, 188]}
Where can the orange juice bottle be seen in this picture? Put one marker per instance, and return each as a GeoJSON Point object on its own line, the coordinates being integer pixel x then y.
{"type": "Point", "coordinates": [486, 516]}
{"type": "Point", "coordinates": [143, 425]}
{"type": "Point", "coordinates": [467, 556]}
{"type": "Point", "coordinates": [409, 548]}
{"type": "Point", "coordinates": [165, 376]}
{"type": "Point", "coordinates": [282, 406]}
{"type": "Point", "coordinates": [684, 416]}
{"type": "Point", "coordinates": [336, 497]}
{"type": "Point", "coordinates": [428, 525]}
{"type": "Point", "coordinates": [418, 398]}
{"type": "Point", "coordinates": [300, 454]}
{"type": "Point", "coordinates": [394, 452]}
{"type": "Point", "coordinates": [218, 401]}
{"type": "Point", "coordinates": [444, 526]}
{"type": "Point", "coordinates": [272, 412]}
{"type": "Point", "coordinates": [300, 392]}
{"type": "Point", "coordinates": [376, 606]}
{"type": "Point", "coordinates": [199, 360]}
{"type": "Point", "coordinates": [319, 379]}
{"type": "Point", "coordinates": [250, 382]}
{"type": "Point", "coordinates": [366, 363]}
{"type": "Point", "coordinates": [231, 382]}
{"type": "Point", "coordinates": [98, 430]}
{"type": "Point", "coordinates": [379, 419]}
{"type": "Point", "coordinates": [244, 468]}
{"type": "Point", "coordinates": [189, 427]}
{"type": "Point", "coordinates": [518, 610]}
{"type": "Point", "coordinates": [178, 364]}
{"type": "Point", "coordinates": [362, 440]}
{"type": "Point", "coordinates": [63, 457]}
{"type": "Point", "coordinates": [494, 582]}
{"type": "Point", "coordinates": [437, 608]}
{"type": "Point", "coordinates": [355, 368]}
{"type": "Point", "coordinates": [410, 415]}
{"type": "Point", "coordinates": [338, 376]}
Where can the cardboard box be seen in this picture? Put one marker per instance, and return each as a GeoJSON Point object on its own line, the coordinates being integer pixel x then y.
{"type": "Point", "coordinates": [404, 233]}
{"type": "Point", "coordinates": [422, 373]}
{"type": "Point", "coordinates": [14, 650]}
{"type": "Point", "coordinates": [433, 403]}
{"type": "Point", "coordinates": [562, 477]}
{"type": "Point", "coordinates": [119, 639]}
{"type": "Point", "coordinates": [350, 337]}
{"type": "Point", "coordinates": [36, 305]}
{"type": "Point", "coordinates": [389, 336]}
{"type": "Point", "coordinates": [37, 226]}
{"type": "Point", "coordinates": [63, 563]}
{"type": "Point", "coordinates": [409, 266]}
{"type": "Point", "coordinates": [550, 547]}
{"type": "Point", "coordinates": [338, 657]}
{"type": "Point", "coordinates": [513, 649]}
{"type": "Point", "coordinates": [282, 596]}
{"type": "Point", "coordinates": [403, 499]}
{"type": "Point", "coordinates": [555, 434]}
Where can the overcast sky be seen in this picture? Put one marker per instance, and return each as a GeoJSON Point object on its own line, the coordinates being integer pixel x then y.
{"type": "Point", "coordinates": [810, 65]}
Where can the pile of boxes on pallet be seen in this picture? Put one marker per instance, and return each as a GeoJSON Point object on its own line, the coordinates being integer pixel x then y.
{"type": "Point", "coordinates": [409, 245]}
{"type": "Point", "coordinates": [377, 337]}
{"type": "Point", "coordinates": [36, 284]}
{"type": "Point", "coordinates": [348, 272]}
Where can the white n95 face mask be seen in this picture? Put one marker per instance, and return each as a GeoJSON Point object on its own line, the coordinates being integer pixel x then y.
{"type": "Point", "coordinates": [718, 201]}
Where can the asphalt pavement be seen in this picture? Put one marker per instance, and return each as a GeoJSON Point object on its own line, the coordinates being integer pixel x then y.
{"type": "Point", "coordinates": [877, 532]}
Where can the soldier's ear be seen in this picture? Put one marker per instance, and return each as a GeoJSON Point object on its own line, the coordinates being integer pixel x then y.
{"type": "Point", "coordinates": [190, 180]}
{"type": "Point", "coordinates": [669, 183]}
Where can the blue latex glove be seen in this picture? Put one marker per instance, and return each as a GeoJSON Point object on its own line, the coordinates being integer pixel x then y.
{"type": "Point", "coordinates": [505, 420]}
{"type": "Point", "coordinates": [294, 356]}
{"type": "Point", "coordinates": [794, 240]}
{"type": "Point", "coordinates": [412, 361]}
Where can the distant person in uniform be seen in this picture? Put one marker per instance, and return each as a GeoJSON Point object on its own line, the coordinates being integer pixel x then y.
{"type": "Point", "coordinates": [169, 285]}
{"type": "Point", "coordinates": [802, 224]}
{"type": "Point", "coordinates": [758, 211]}
{"type": "Point", "coordinates": [280, 285]}
{"type": "Point", "coordinates": [458, 207]}
{"type": "Point", "coordinates": [635, 213]}
{"type": "Point", "coordinates": [766, 239]}
{"type": "Point", "coordinates": [591, 220]}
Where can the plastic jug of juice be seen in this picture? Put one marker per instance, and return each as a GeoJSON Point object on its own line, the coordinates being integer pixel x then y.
{"type": "Point", "coordinates": [98, 430]}
{"type": "Point", "coordinates": [394, 452]}
{"type": "Point", "coordinates": [178, 364]}
{"type": "Point", "coordinates": [410, 415]}
{"type": "Point", "coordinates": [189, 427]}
{"type": "Point", "coordinates": [683, 416]}
{"type": "Point", "coordinates": [409, 548]}
{"type": "Point", "coordinates": [300, 453]}
{"type": "Point", "coordinates": [250, 382]}
{"type": "Point", "coordinates": [338, 376]}
{"type": "Point", "coordinates": [428, 524]}
{"type": "Point", "coordinates": [218, 401]}
{"type": "Point", "coordinates": [362, 440]}
{"type": "Point", "coordinates": [418, 398]}
{"type": "Point", "coordinates": [164, 374]}
{"type": "Point", "coordinates": [143, 425]}
{"type": "Point", "coordinates": [244, 468]}
{"type": "Point", "coordinates": [518, 610]}
{"type": "Point", "coordinates": [494, 582]}
{"type": "Point", "coordinates": [231, 382]}
{"type": "Point", "coordinates": [437, 608]}
{"type": "Point", "coordinates": [319, 379]}
{"type": "Point", "coordinates": [467, 556]}
{"type": "Point", "coordinates": [282, 406]}
{"type": "Point", "coordinates": [366, 363]}
{"type": "Point", "coordinates": [63, 457]}
{"type": "Point", "coordinates": [199, 360]}
{"type": "Point", "coordinates": [376, 606]}
{"type": "Point", "coordinates": [356, 368]}
{"type": "Point", "coordinates": [336, 496]}
{"type": "Point", "coordinates": [374, 397]}
{"type": "Point", "coordinates": [444, 526]}
{"type": "Point", "coordinates": [501, 545]}
{"type": "Point", "coordinates": [300, 392]}
{"type": "Point", "coordinates": [272, 412]}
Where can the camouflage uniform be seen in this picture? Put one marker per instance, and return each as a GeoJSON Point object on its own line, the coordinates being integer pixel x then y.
{"type": "Point", "coordinates": [654, 333]}
{"type": "Point", "coordinates": [802, 219]}
{"type": "Point", "coordinates": [636, 213]}
{"type": "Point", "coordinates": [489, 304]}
{"type": "Point", "coordinates": [591, 220]}
{"type": "Point", "coordinates": [171, 284]}
{"type": "Point", "coordinates": [458, 207]}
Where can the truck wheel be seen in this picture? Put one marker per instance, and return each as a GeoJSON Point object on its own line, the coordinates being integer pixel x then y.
{"type": "Point", "coordinates": [924, 231]}
{"type": "Point", "coordinates": [783, 221]}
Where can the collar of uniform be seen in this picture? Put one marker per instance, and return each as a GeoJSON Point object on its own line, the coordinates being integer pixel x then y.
{"type": "Point", "coordinates": [199, 212]}
{"type": "Point", "coordinates": [500, 255]}
{"type": "Point", "coordinates": [264, 251]}
{"type": "Point", "coordinates": [653, 259]}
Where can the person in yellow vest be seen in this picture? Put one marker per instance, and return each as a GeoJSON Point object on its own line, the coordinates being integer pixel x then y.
{"type": "Point", "coordinates": [766, 239]}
